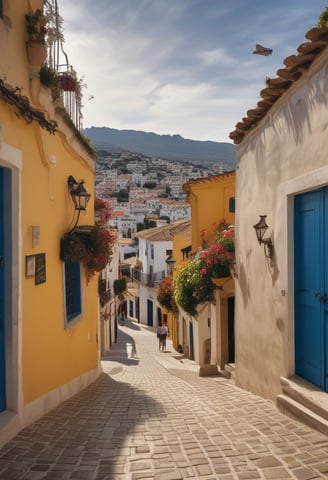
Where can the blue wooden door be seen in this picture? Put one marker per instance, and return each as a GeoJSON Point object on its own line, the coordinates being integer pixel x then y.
{"type": "Point", "coordinates": [150, 315]}
{"type": "Point", "coordinates": [311, 286]}
{"type": "Point", "coordinates": [2, 298]}
{"type": "Point", "coordinates": [138, 309]}
{"type": "Point", "coordinates": [191, 342]}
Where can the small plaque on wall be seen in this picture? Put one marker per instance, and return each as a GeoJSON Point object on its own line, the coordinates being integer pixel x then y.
{"type": "Point", "coordinates": [30, 266]}
{"type": "Point", "coordinates": [40, 268]}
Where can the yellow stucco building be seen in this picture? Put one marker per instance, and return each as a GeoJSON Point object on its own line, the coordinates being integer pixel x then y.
{"type": "Point", "coordinates": [48, 312]}
{"type": "Point", "coordinates": [181, 243]}
{"type": "Point", "coordinates": [209, 339]}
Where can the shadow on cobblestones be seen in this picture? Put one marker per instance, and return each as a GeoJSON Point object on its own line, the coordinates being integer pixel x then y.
{"type": "Point", "coordinates": [124, 351]}
{"type": "Point", "coordinates": [132, 325]}
{"type": "Point", "coordinates": [81, 438]}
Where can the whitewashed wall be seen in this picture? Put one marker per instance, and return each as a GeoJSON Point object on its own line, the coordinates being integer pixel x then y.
{"type": "Point", "coordinates": [285, 155]}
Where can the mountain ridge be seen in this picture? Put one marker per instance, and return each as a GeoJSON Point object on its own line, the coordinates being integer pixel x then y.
{"type": "Point", "coordinates": [170, 147]}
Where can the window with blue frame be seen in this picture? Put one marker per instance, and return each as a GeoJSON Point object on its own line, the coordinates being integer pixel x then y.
{"type": "Point", "coordinates": [232, 204]}
{"type": "Point", "coordinates": [72, 290]}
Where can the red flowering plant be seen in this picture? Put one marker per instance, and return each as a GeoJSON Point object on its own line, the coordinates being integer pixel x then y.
{"type": "Point", "coordinates": [90, 244]}
{"type": "Point", "coordinates": [219, 249]}
{"type": "Point", "coordinates": [103, 210]}
{"type": "Point", "coordinates": [98, 242]}
{"type": "Point", "coordinates": [165, 294]}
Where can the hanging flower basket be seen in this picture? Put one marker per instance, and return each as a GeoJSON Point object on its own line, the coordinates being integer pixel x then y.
{"type": "Point", "coordinates": [89, 244]}
{"type": "Point", "coordinates": [165, 294]}
{"type": "Point", "coordinates": [219, 251]}
{"type": "Point", "coordinates": [72, 248]}
{"type": "Point", "coordinates": [67, 82]}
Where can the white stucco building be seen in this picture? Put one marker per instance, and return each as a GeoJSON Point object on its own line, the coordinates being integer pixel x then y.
{"type": "Point", "coordinates": [282, 172]}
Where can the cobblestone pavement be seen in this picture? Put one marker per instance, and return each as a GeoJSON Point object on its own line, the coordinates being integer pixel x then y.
{"type": "Point", "coordinates": [150, 416]}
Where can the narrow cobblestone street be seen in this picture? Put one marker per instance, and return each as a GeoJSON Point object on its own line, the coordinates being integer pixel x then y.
{"type": "Point", "coordinates": [150, 416]}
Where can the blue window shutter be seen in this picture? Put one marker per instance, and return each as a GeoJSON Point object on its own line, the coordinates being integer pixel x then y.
{"type": "Point", "coordinates": [72, 289]}
{"type": "Point", "coordinates": [232, 204]}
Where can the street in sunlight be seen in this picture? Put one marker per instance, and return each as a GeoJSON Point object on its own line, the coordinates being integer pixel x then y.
{"type": "Point", "coordinates": [151, 416]}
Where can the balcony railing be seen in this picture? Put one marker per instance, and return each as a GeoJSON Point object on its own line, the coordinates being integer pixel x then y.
{"type": "Point", "coordinates": [149, 279]}
{"type": "Point", "coordinates": [68, 85]}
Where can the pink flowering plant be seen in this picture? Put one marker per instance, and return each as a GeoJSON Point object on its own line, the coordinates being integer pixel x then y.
{"type": "Point", "coordinates": [219, 249]}
{"type": "Point", "coordinates": [193, 281]}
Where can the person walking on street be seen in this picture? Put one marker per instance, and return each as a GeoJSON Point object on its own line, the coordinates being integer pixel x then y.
{"type": "Point", "coordinates": [159, 335]}
{"type": "Point", "coordinates": [162, 332]}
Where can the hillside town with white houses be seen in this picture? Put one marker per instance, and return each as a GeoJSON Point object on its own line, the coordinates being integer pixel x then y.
{"type": "Point", "coordinates": [151, 187]}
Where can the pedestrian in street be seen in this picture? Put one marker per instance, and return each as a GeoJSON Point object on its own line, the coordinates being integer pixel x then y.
{"type": "Point", "coordinates": [162, 332]}
{"type": "Point", "coordinates": [159, 329]}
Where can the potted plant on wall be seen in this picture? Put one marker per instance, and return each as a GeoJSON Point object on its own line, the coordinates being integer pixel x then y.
{"type": "Point", "coordinates": [36, 43]}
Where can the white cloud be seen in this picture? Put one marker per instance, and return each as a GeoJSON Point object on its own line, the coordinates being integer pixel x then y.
{"type": "Point", "coordinates": [179, 67]}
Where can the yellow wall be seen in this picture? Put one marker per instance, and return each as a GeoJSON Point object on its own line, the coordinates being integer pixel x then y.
{"type": "Point", "coordinates": [46, 203]}
{"type": "Point", "coordinates": [50, 354]}
{"type": "Point", "coordinates": [209, 199]}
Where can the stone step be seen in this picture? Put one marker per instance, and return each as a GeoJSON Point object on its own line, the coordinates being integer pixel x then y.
{"type": "Point", "coordinates": [306, 394]}
{"type": "Point", "coordinates": [305, 402]}
{"type": "Point", "coordinates": [229, 370]}
{"type": "Point", "coordinates": [299, 412]}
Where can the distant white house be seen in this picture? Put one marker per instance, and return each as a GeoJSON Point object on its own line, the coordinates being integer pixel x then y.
{"type": "Point", "coordinates": [155, 246]}
{"type": "Point", "coordinates": [174, 210]}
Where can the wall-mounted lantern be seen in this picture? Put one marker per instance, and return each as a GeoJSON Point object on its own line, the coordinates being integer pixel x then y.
{"type": "Point", "coordinates": [79, 195]}
{"type": "Point", "coordinates": [260, 229]}
{"type": "Point", "coordinates": [170, 262]}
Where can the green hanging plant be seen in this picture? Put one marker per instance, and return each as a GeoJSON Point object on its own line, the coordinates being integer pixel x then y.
{"type": "Point", "coordinates": [47, 76]}
{"type": "Point", "coordinates": [193, 286]}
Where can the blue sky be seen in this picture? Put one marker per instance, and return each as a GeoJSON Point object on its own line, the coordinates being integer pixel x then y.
{"type": "Point", "coordinates": [179, 66]}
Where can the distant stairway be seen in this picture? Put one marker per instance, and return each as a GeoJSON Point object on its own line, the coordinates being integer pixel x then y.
{"type": "Point", "coordinates": [229, 370]}
{"type": "Point", "coordinates": [305, 402]}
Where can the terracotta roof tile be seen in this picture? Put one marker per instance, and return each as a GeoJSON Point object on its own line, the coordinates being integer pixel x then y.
{"type": "Point", "coordinates": [166, 232]}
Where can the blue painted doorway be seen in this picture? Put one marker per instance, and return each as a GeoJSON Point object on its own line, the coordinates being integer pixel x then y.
{"type": "Point", "coordinates": [311, 286]}
{"type": "Point", "coordinates": [138, 309]}
{"type": "Point", "coordinates": [191, 342]}
{"type": "Point", "coordinates": [2, 295]}
{"type": "Point", "coordinates": [150, 314]}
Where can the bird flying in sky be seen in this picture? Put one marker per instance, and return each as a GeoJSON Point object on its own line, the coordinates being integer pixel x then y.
{"type": "Point", "coordinates": [259, 50]}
